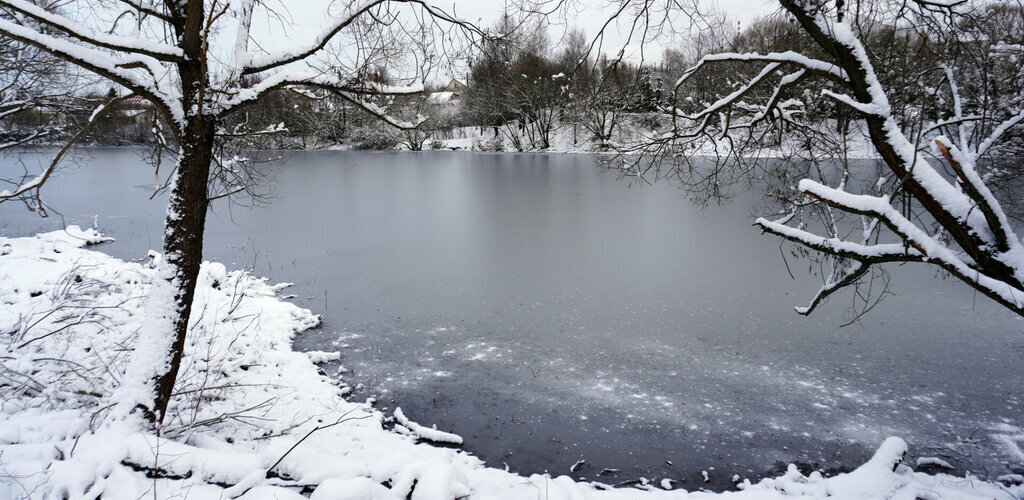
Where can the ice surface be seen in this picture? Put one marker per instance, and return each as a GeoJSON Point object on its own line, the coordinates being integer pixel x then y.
{"type": "Point", "coordinates": [650, 359]}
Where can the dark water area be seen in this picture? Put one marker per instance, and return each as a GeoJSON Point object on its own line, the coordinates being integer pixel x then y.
{"type": "Point", "coordinates": [550, 313]}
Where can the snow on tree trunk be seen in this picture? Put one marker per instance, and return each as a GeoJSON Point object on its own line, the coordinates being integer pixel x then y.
{"type": "Point", "coordinates": [158, 356]}
{"type": "Point", "coordinates": [183, 253]}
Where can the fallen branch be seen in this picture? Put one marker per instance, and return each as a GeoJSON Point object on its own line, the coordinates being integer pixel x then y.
{"type": "Point", "coordinates": [426, 432]}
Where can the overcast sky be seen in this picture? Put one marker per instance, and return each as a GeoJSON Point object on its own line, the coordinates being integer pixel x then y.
{"type": "Point", "coordinates": [309, 17]}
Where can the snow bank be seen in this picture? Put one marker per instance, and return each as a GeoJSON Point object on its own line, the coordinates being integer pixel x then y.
{"type": "Point", "coordinates": [253, 419]}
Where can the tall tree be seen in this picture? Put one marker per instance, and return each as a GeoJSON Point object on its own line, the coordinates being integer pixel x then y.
{"type": "Point", "coordinates": [164, 52]}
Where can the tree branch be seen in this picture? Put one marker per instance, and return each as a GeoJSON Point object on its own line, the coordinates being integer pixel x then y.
{"type": "Point", "coordinates": [285, 79]}
{"type": "Point", "coordinates": [149, 11]}
{"type": "Point", "coordinates": [878, 253]}
{"type": "Point", "coordinates": [829, 70]}
{"type": "Point", "coordinates": [970, 186]}
{"type": "Point", "coordinates": [37, 183]}
{"type": "Point", "coordinates": [159, 51]}
{"type": "Point", "coordinates": [99, 63]}
{"type": "Point", "coordinates": [999, 131]}
{"type": "Point", "coordinates": [272, 61]}
{"type": "Point", "coordinates": [1008, 293]}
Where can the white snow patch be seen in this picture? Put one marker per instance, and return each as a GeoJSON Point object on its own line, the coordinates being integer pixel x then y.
{"type": "Point", "coordinates": [933, 461]}
{"type": "Point", "coordinates": [319, 357]}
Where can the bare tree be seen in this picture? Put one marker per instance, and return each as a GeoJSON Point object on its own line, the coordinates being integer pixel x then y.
{"type": "Point", "coordinates": [164, 52]}
{"type": "Point", "coordinates": [938, 143]}
{"type": "Point", "coordinates": [514, 87]}
{"type": "Point", "coordinates": [533, 92]}
{"type": "Point", "coordinates": [598, 105]}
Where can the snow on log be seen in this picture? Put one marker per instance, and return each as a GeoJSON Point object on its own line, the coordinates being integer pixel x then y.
{"type": "Point", "coordinates": [320, 357]}
{"type": "Point", "coordinates": [933, 461]}
{"type": "Point", "coordinates": [430, 434]}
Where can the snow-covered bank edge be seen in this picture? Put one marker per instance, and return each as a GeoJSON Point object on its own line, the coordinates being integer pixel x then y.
{"type": "Point", "coordinates": [254, 419]}
{"type": "Point", "coordinates": [483, 140]}
{"type": "Point", "coordinates": [625, 141]}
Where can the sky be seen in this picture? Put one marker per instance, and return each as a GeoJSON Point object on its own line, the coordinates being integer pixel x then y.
{"type": "Point", "coordinates": [308, 17]}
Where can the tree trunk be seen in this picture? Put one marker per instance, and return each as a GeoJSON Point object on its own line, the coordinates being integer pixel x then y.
{"type": "Point", "coordinates": [170, 306]}
{"type": "Point", "coordinates": [149, 381]}
{"type": "Point", "coordinates": [183, 245]}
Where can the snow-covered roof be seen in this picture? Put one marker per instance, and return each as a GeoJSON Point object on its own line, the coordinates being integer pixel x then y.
{"type": "Point", "coordinates": [443, 97]}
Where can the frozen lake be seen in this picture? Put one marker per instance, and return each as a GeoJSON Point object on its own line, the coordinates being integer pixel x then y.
{"type": "Point", "coordinates": [550, 313]}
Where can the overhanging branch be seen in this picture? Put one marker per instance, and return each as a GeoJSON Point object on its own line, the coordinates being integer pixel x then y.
{"type": "Point", "coordinates": [159, 51]}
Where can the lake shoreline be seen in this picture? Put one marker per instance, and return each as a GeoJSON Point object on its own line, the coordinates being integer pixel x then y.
{"type": "Point", "coordinates": [466, 145]}
{"type": "Point", "coordinates": [117, 459]}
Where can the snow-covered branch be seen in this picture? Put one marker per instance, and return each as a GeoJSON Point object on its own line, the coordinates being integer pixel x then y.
{"type": "Point", "coordinates": [341, 87]}
{"type": "Point", "coordinates": [119, 69]}
{"type": "Point", "coordinates": [148, 8]}
{"type": "Point", "coordinates": [823, 68]}
{"type": "Point", "coordinates": [156, 50]}
{"type": "Point", "coordinates": [877, 253]}
{"type": "Point", "coordinates": [773, 105]}
{"type": "Point", "coordinates": [972, 184]}
{"type": "Point", "coordinates": [998, 132]}
{"type": "Point", "coordinates": [867, 108]}
{"type": "Point", "coordinates": [241, 48]}
{"type": "Point", "coordinates": [976, 243]}
{"type": "Point", "coordinates": [918, 246]}
{"type": "Point", "coordinates": [734, 97]}
{"type": "Point", "coordinates": [381, 113]}
{"type": "Point", "coordinates": [932, 205]}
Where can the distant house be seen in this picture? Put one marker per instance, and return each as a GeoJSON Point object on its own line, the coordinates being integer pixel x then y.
{"type": "Point", "coordinates": [455, 86]}
{"type": "Point", "coordinates": [451, 93]}
{"type": "Point", "coordinates": [137, 115]}
{"type": "Point", "coordinates": [136, 110]}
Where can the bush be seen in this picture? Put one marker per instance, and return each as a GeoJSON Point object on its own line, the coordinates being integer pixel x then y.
{"type": "Point", "coordinates": [373, 138]}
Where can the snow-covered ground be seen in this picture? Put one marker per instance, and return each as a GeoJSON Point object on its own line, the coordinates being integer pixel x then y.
{"type": "Point", "coordinates": [254, 419]}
